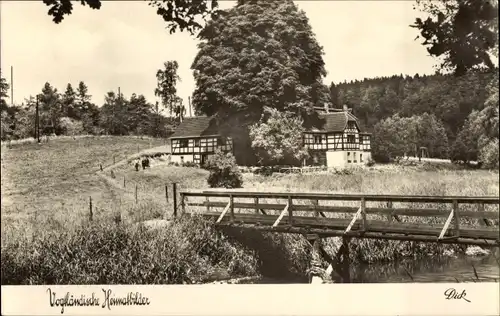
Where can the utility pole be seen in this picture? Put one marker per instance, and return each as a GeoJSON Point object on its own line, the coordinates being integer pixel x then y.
{"type": "Point", "coordinates": [12, 85]}
{"type": "Point", "coordinates": [37, 122]}
{"type": "Point", "coordinates": [119, 93]}
{"type": "Point", "coordinates": [189, 102]}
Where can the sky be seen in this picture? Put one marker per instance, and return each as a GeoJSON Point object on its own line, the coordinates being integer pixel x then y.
{"type": "Point", "coordinates": [124, 43]}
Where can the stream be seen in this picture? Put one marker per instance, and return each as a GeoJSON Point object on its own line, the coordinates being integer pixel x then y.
{"type": "Point", "coordinates": [428, 269]}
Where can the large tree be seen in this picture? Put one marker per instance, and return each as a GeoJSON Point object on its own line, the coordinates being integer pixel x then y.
{"type": "Point", "coordinates": [257, 54]}
{"type": "Point", "coordinates": [462, 32]}
{"type": "Point", "coordinates": [179, 14]}
{"type": "Point", "coordinates": [166, 89]}
{"type": "Point", "coordinates": [50, 110]}
{"type": "Point", "coordinates": [278, 138]}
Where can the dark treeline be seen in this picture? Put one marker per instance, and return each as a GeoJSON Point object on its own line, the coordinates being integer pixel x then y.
{"type": "Point", "coordinates": [73, 113]}
{"type": "Point", "coordinates": [405, 113]}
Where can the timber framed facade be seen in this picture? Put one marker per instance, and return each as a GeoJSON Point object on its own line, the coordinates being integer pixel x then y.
{"type": "Point", "coordinates": [337, 141]}
{"type": "Point", "coordinates": [196, 139]}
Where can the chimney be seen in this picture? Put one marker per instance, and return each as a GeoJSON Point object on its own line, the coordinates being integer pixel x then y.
{"type": "Point", "coordinates": [327, 108]}
{"type": "Point", "coordinates": [346, 108]}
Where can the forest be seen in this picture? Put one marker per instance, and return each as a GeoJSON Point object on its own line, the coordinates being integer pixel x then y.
{"type": "Point", "coordinates": [452, 116]}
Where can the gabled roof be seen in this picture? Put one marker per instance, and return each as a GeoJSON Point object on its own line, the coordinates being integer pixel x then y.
{"type": "Point", "coordinates": [333, 122]}
{"type": "Point", "coordinates": [206, 126]}
{"type": "Point", "coordinates": [196, 127]}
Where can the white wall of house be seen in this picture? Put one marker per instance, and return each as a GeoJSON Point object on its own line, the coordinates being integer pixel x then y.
{"type": "Point", "coordinates": [335, 159]}
{"type": "Point", "coordinates": [182, 158]}
{"type": "Point", "coordinates": [342, 159]}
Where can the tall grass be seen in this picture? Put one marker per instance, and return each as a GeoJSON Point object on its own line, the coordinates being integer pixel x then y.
{"type": "Point", "coordinates": [189, 251]}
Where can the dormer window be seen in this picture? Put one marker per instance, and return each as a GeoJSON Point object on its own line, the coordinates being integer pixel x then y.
{"type": "Point", "coordinates": [351, 139]}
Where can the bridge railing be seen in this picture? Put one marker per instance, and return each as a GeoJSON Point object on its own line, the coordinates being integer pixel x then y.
{"type": "Point", "coordinates": [291, 212]}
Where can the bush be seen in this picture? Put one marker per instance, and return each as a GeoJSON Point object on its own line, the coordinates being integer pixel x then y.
{"type": "Point", "coordinates": [488, 154]}
{"type": "Point", "coordinates": [71, 127]}
{"type": "Point", "coordinates": [189, 164]}
{"type": "Point", "coordinates": [370, 162]}
{"type": "Point", "coordinates": [223, 171]}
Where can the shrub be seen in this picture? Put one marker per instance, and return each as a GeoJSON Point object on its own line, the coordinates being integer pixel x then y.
{"type": "Point", "coordinates": [71, 127]}
{"type": "Point", "coordinates": [189, 164]}
{"type": "Point", "coordinates": [223, 171]}
{"type": "Point", "coordinates": [370, 162]}
{"type": "Point", "coordinates": [488, 154]}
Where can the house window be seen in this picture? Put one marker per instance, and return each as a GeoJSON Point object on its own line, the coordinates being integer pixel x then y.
{"type": "Point", "coordinates": [221, 142]}
{"type": "Point", "coordinates": [360, 157]}
{"type": "Point", "coordinates": [351, 139]}
{"type": "Point", "coordinates": [196, 143]}
{"type": "Point", "coordinates": [354, 160]}
{"type": "Point", "coordinates": [318, 139]}
{"type": "Point", "coordinates": [183, 143]}
{"type": "Point", "coordinates": [348, 157]}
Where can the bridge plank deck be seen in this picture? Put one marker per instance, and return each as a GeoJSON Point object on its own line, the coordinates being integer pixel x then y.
{"type": "Point", "coordinates": [420, 212]}
{"type": "Point", "coordinates": [372, 225]}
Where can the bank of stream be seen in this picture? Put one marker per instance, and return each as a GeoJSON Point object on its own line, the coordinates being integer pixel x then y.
{"type": "Point", "coordinates": [427, 269]}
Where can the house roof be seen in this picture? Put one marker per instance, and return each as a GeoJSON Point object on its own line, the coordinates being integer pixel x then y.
{"type": "Point", "coordinates": [206, 126]}
{"type": "Point", "coordinates": [196, 127]}
{"type": "Point", "coordinates": [333, 122]}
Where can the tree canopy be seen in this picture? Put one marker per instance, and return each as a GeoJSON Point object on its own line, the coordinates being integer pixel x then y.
{"type": "Point", "coordinates": [462, 32]}
{"type": "Point", "coordinates": [179, 14]}
{"type": "Point", "coordinates": [257, 54]}
{"type": "Point", "coordinates": [166, 89]}
{"type": "Point", "coordinates": [278, 138]}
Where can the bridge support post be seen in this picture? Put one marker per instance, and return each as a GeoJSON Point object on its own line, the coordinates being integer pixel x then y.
{"type": "Point", "coordinates": [345, 261]}
{"type": "Point", "coordinates": [315, 270]}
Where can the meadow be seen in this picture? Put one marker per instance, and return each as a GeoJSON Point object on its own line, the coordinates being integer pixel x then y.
{"type": "Point", "coordinates": [47, 237]}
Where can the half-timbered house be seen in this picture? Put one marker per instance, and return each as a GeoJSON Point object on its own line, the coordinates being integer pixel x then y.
{"type": "Point", "coordinates": [336, 141]}
{"type": "Point", "coordinates": [196, 139]}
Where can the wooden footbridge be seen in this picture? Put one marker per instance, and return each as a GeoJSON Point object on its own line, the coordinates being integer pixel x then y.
{"type": "Point", "coordinates": [441, 219]}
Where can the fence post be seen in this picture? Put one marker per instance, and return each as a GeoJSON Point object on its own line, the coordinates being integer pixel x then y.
{"type": "Point", "coordinates": [389, 216]}
{"type": "Point", "coordinates": [166, 192]}
{"type": "Point", "coordinates": [457, 218]}
{"type": "Point", "coordinates": [231, 207]}
{"type": "Point", "coordinates": [315, 203]}
{"type": "Point", "coordinates": [207, 199]}
{"type": "Point", "coordinates": [290, 215]}
{"type": "Point", "coordinates": [174, 197]}
{"type": "Point", "coordinates": [256, 201]}
{"type": "Point", "coordinates": [90, 208]}
{"type": "Point", "coordinates": [123, 181]}
{"type": "Point", "coordinates": [136, 194]}
{"type": "Point", "coordinates": [183, 203]}
{"type": "Point", "coordinates": [363, 214]}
